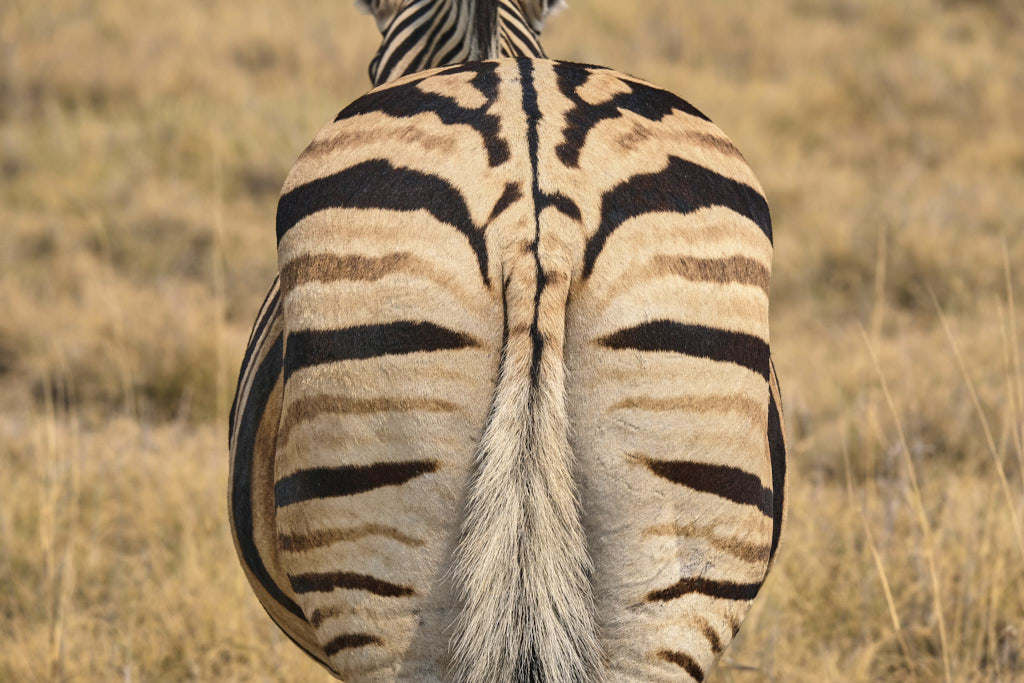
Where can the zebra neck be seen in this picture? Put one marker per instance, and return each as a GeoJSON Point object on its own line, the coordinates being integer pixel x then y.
{"type": "Point", "coordinates": [432, 33]}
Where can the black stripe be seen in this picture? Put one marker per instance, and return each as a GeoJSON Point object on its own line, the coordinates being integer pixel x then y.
{"type": "Point", "coordinates": [346, 480]}
{"type": "Point", "coordinates": [450, 56]}
{"type": "Point", "coordinates": [777, 450]}
{"type": "Point", "coordinates": [681, 187]}
{"type": "Point", "coordinates": [532, 110]}
{"type": "Point", "coordinates": [562, 203]}
{"type": "Point", "coordinates": [411, 41]}
{"type": "Point", "coordinates": [269, 301]}
{"type": "Point", "coordinates": [407, 100]}
{"type": "Point", "coordinates": [520, 40]}
{"type": "Point", "coordinates": [429, 47]}
{"type": "Point", "coordinates": [376, 184]}
{"type": "Point", "coordinates": [373, 69]}
{"type": "Point", "coordinates": [509, 197]}
{"type": "Point", "coordinates": [726, 590]}
{"type": "Point", "coordinates": [407, 43]}
{"type": "Point", "coordinates": [685, 661]}
{"type": "Point", "coordinates": [714, 640]}
{"type": "Point", "coordinates": [724, 481]}
{"type": "Point", "coordinates": [643, 100]}
{"type": "Point", "coordinates": [269, 312]}
{"type": "Point", "coordinates": [447, 35]}
{"type": "Point", "coordinates": [350, 640]}
{"type": "Point", "coordinates": [308, 348]}
{"type": "Point", "coordinates": [401, 23]}
{"type": "Point", "coordinates": [241, 484]}
{"type": "Point", "coordinates": [328, 581]}
{"type": "Point", "coordinates": [742, 349]}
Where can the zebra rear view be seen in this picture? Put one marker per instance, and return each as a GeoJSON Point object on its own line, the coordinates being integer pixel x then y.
{"type": "Point", "coordinates": [510, 413]}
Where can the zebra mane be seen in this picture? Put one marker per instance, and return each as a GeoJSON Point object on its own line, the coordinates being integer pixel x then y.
{"type": "Point", "coordinates": [486, 38]}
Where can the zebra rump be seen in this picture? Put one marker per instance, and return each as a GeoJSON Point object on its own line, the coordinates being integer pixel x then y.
{"type": "Point", "coordinates": [523, 415]}
{"type": "Point", "coordinates": [509, 413]}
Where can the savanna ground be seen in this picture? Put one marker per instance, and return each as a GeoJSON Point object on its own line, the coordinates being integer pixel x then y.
{"type": "Point", "coordinates": [142, 146]}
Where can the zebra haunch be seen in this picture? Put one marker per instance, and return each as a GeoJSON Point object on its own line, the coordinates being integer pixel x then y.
{"type": "Point", "coordinates": [512, 393]}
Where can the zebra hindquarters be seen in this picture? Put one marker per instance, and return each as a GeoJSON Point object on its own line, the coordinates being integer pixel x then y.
{"type": "Point", "coordinates": [668, 364]}
{"type": "Point", "coordinates": [255, 415]}
{"type": "Point", "coordinates": [391, 359]}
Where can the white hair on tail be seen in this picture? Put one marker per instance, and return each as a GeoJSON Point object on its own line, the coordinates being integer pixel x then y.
{"type": "Point", "coordinates": [522, 567]}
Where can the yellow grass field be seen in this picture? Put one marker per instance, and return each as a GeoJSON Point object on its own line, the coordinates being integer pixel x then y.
{"type": "Point", "coordinates": [142, 147]}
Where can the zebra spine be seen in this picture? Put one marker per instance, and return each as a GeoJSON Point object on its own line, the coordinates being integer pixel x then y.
{"type": "Point", "coordinates": [522, 569]}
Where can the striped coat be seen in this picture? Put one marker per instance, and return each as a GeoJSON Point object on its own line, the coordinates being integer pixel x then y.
{"type": "Point", "coordinates": [510, 413]}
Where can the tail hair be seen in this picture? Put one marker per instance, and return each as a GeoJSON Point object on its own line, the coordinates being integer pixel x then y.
{"type": "Point", "coordinates": [522, 571]}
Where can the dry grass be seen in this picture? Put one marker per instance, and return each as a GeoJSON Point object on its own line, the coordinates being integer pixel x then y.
{"type": "Point", "coordinates": [141, 149]}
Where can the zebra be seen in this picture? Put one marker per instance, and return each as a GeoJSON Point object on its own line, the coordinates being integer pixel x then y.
{"type": "Point", "coordinates": [509, 411]}
{"type": "Point", "coordinates": [443, 32]}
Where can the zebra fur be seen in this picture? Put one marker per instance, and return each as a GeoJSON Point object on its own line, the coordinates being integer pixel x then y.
{"type": "Point", "coordinates": [424, 34]}
{"type": "Point", "coordinates": [522, 564]}
{"type": "Point", "coordinates": [530, 564]}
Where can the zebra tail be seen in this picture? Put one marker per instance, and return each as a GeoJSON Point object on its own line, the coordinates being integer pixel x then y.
{"type": "Point", "coordinates": [522, 569]}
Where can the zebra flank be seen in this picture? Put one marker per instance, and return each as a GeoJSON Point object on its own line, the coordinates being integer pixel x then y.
{"type": "Point", "coordinates": [509, 412]}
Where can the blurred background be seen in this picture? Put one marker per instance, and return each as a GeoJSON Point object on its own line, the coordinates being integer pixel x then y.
{"type": "Point", "coordinates": [142, 147]}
